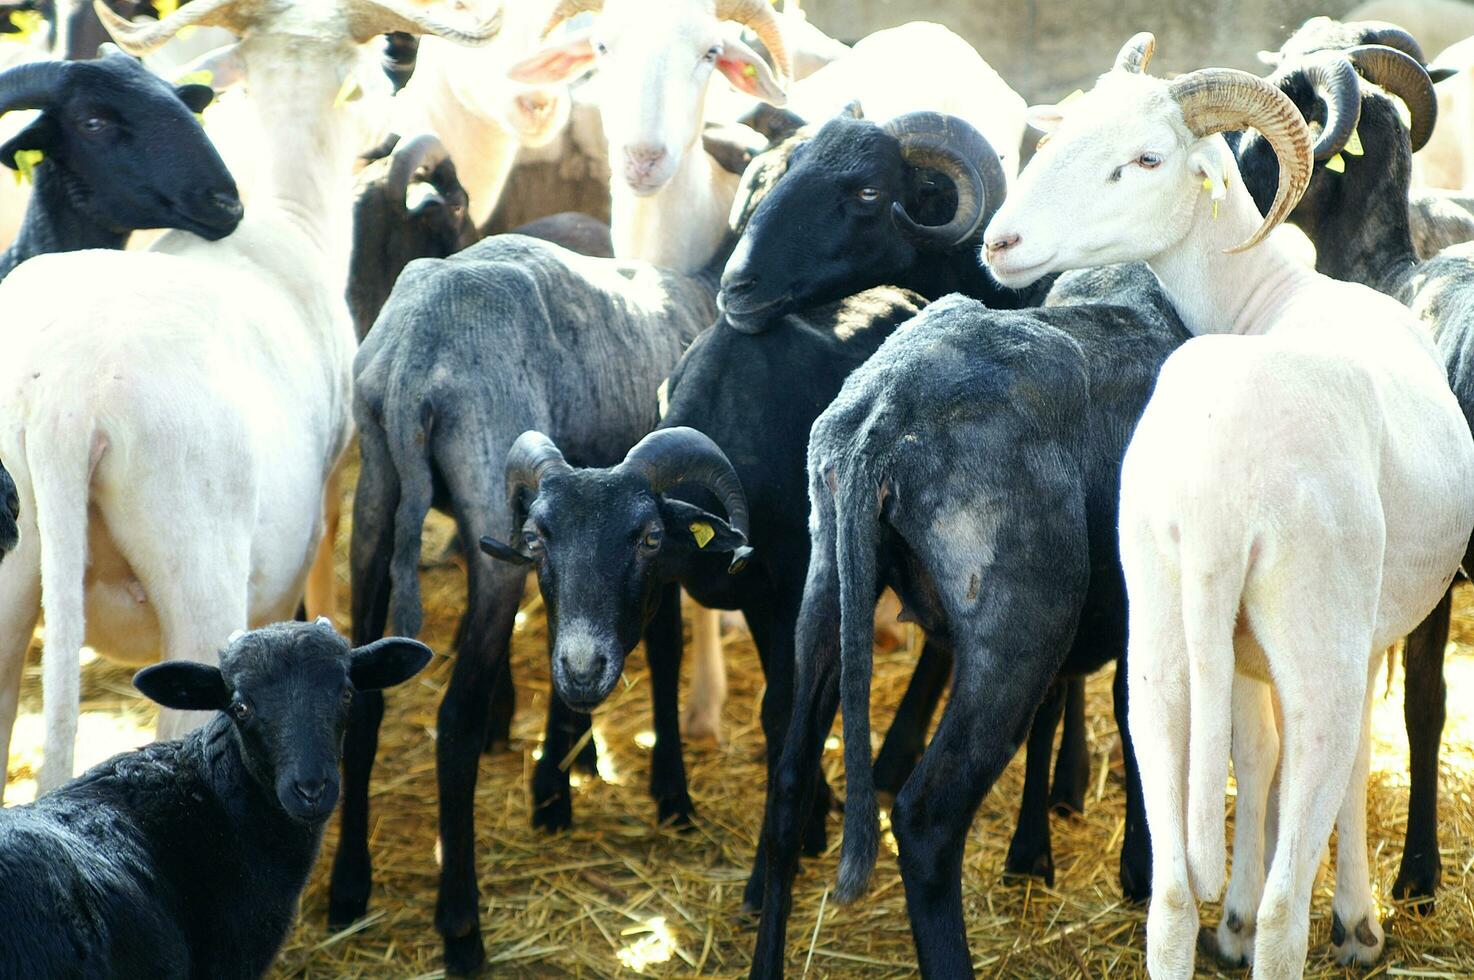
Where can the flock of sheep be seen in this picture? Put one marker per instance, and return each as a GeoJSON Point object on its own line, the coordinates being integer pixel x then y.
{"type": "Point", "coordinates": [833, 341]}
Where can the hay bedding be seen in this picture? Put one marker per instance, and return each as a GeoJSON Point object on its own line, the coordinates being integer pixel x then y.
{"type": "Point", "coordinates": [618, 895]}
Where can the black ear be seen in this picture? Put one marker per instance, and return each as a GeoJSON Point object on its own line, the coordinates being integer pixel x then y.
{"type": "Point", "coordinates": [690, 527]}
{"type": "Point", "coordinates": [185, 685]}
{"type": "Point", "coordinates": [733, 145]}
{"type": "Point", "coordinates": [774, 123]}
{"type": "Point", "coordinates": [197, 97]}
{"type": "Point", "coordinates": [1441, 74]}
{"type": "Point", "coordinates": [384, 663]}
{"type": "Point", "coordinates": [40, 135]}
{"type": "Point", "coordinates": [504, 552]}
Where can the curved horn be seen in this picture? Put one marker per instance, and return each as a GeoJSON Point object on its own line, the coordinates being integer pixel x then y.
{"type": "Point", "coordinates": [32, 86]}
{"type": "Point", "coordinates": [1403, 76]}
{"type": "Point", "coordinates": [138, 38]}
{"type": "Point", "coordinates": [1217, 99]}
{"type": "Point", "coordinates": [1335, 83]}
{"type": "Point", "coordinates": [759, 16]}
{"type": "Point", "coordinates": [367, 18]}
{"type": "Point", "coordinates": [532, 457]}
{"type": "Point", "coordinates": [667, 457]}
{"type": "Point", "coordinates": [1136, 53]}
{"type": "Point", "coordinates": [952, 147]}
{"type": "Point", "coordinates": [567, 10]}
{"type": "Point", "coordinates": [1392, 36]}
{"type": "Point", "coordinates": [408, 158]}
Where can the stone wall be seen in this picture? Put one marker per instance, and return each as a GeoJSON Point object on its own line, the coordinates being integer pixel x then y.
{"type": "Point", "coordinates": [1048, 48]}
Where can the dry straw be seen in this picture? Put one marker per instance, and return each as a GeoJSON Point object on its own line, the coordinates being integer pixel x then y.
{"type": "Point", "coordinates": [618, 894]}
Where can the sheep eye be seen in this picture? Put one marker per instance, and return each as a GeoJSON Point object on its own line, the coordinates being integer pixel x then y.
{"type": "Point", "coordinates": [347, 696]}
{"type": "Point", "coordinates": [534, 542]}
{"type": "Point", "coordinates": [712, 54]}
{"type": "Point", "coordinates": [601, 48]}
{"type": "Point", "coordinates": [94, 124]}
{"type": "Point", "coordinates": [1149, 161]}
{"type": "Point", "coordinates": [651, 541]}
{"type": "Point", "coordinates": [869, 194]}
{"type": "Point", "coordinates": [239, 710]}
{"type": "Point", "coordinates": [1042, 140]}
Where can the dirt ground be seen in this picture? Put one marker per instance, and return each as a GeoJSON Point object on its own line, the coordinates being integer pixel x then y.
{"type": "Point", "coordinates": [619, 895]}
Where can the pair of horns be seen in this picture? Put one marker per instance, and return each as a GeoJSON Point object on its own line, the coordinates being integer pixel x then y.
{"type": "Point", "coordinates": [952, 147]}
{"type": "Point", "coordinates": [755, 14]}
{"type": "Point", "coordinates": [1216, 100]}
{"type": "Point", "coordinates": [366, 19]}
{"type": "Point", "coordinates": [664, 458]}
{"type": "Point", "coordinates": [1334, 78]}
{"type": "Point", "coordinates": [412, 159]}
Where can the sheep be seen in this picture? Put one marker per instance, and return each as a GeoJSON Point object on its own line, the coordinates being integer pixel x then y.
{"type": "Point", "coordinates": [9, 513]}
{"type": "Point", "coordinates": [975, 454]}
{"type": "Point", "coordinates": [126, 419]}
{"type": "Point", "coordinates": [1362, 233]}
{"type": "Point", "coordinates": [1334, 423]}
{"type": "Point", "coordinates": [186, 858]}
{"type": "Point", "coordinates": [592, 339]}
{"type": "Point", "coordinates": [100, 132]}
{"type": "Point", "coordinates": [1438, 218]}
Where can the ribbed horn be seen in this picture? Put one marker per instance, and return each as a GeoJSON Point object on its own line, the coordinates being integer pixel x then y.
{"type": "Point", "coordinates": [954, 148]}
{"type": "Point", "coordinates": [1335, 83]}
{"type": "Point", "coordinates": [1217, 99]}
{"type": "Point", "coordinates": [567, 10]}
{"type": "Point", "coordinates": [667, 457]}
{"type": "Point", "coordinates": [532, 458]}
{"type": "Point", "coordinates": [758, 15]}
{"type": "Point", "coordinates": [1136, 53]}
{"type": "Point", "coordinates": [409, 157]}
{"type": "Point", "coordinates": [1403, 76]}
{"type": "Point", "coordinates": [31, 86]}
{"type": "Point", "coordinates": [138, 38]}
{"type": "Point", "coordinates": [367, 18]}
{"type": "Point", "coordinates": [1391, 36]}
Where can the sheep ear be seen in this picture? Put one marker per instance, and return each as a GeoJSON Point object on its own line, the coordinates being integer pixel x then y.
{"type": "Point", "coordinates": [554, 63]}
{"type": "Point", "coordinates": [384, 663]}
{"type": "Point", "coordinates": [39, 135]}
{"type": "Point", "coordinates": [749, 73]}
{"type": "Point", "coordinates": [196, 97]}
{"type": "Point", "coordinates": [185, 685]}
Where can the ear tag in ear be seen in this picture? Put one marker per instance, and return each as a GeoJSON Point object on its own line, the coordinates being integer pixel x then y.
{"type": "Point", "coordinates": [749, 71]}
{"type": "Point", "coordinates": [1219, 192]}
{"type": "Point", "coordinates": [25, 165]}
{"type": "Point", "coordinates": [346, 92]}
{"type": "Point", "coordinates": [1353, 145]}
{"type": "Point", "coordinates": [203, 76]}
{"type": "Point", "coordinates": [1336, 164]}
{"type": "Point", "coordinates": [26, 23]}
{"type": "Point", "coordinates": [702, 532]}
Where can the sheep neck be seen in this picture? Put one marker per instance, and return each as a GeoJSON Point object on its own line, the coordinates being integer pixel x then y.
{"type": "Point", "coordinates": [680, 226]}
{"type": "Point", "coordinates": [482, 148]}
{"type": "Point", "coordinates": [1368, 240]}
{"type": "Point", "coordinates": [57, 220]}
{"type": "Point", "coordinates": [1243, 293]}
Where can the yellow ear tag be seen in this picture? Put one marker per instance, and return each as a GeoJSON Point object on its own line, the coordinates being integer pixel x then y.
{"type": "Point", "coordinates": [702, 532]}
{"type": "Point", "coordinates": [26, 23]}
{"type": "Point", "coordinates": [749, 71]}
{"type": "Point", "coordinates": [1207, 183]}
{"type": "Point", "coordinates": [1353, 145]}
{"type": "Point", "coordinates": [348, 90]}
{"type": "Point", "coordinates": [25, 165]}
{"type": "Point", "coordinates": [203, 76]}
{"type": "Point", "coordinates": [1336, 164]}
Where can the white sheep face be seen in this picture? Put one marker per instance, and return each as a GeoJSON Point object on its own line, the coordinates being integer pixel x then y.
{"type": "Point", "coordinates": [1117, 181]}
{"type": "Point", "coordinates": [655, 59]}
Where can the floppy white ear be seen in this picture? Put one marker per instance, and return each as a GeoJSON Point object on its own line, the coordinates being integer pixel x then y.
{"type": "Point", "coordinates": [1211, 160]}
{"type": "Point", "coordinates": [561, 61]}
{"type": "Point", "coordinates": [221, 69]}
{"type": "Point", "coordinates": [1045, 118]}
{"type": "Point", "coordinates": [749, 73]}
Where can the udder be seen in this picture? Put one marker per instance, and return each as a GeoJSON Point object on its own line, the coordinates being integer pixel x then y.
{"type": "Point", "coordinates": [121, 621]}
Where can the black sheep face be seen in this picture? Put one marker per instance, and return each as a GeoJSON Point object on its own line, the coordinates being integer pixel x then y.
{"type": "Point", "coordinates": [286, 690]}
{"type": "Point", "coordinates": [132, 148]}
{"type": "Point", "coordinates": [825, 229]}
{"type": "Point", "coordinates": [603, 542]}
{"type": "Point", "coordinates": [9, 513]}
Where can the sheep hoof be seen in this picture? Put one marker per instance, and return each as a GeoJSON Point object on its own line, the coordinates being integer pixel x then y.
{"type": "Point", "coordinates": [464, 955]}
{"type": "Point", "coordinates": [1209, 945]}
{"type": "Point", "coordinates": [1361, 946]}
{"type": "Point", "coordinates": [1416, 886]}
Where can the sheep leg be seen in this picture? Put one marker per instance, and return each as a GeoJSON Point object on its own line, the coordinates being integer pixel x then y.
{"type": "Point", "coordinates": [1029, 852]}
{"type": "Point", "coordinates": [906, 738]}
{"type": "Point", "coordinates": [374, 504]}
{"type": "Point", "coordinates": [794, 781]}
{"type": "Point", "coordinates": [1356, 935]}
{"type": "Point", "coordinates": [20, 604]}
{"type": "Point", "coordinates": [1424, 711]}
{"type": "Point", "coordinates": [989, 713]}
{"type": "Point", "coordinates": [1136, 847]}
{"type": "Point", "coordinates": [1072, 766]}
{"type": "Point", "coordinates": [462, 733]}
{"type": "Point", "coordinates": [1255, 756]}
{"type": "Point", "coordinates": [667, 767]}
{"type": "Point", "coordinates": [322, 579]}
{"type": "Point", "coordinates": [552, 794]}
{"type": "Point", "coordinates": [702, 718]}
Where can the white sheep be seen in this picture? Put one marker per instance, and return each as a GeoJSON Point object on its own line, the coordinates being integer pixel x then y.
{"type": "Point", "coordinates": [172, 424]}
{"type": "Point", "coordinates": [1297, 496]}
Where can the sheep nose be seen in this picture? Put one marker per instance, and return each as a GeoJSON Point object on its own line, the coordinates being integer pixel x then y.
{"type": "Point", "coordinates": [644, 155]}
{"type": "Point", "coordinates": [228, 203]}
{"type": "Point", "coordinates": [1001, 244]}
{"type": "Point", "coordinates": [592, 670]}
{"type": "Point", "coordinates": [738, 284]}
{"type": "Point", "coordinates": [12, 504]}
{"type": "Point", "coordinates": [309, 790]}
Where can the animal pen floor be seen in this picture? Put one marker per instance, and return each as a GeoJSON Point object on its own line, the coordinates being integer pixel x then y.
{"type": "Point", "coordinates": [618, 894]}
